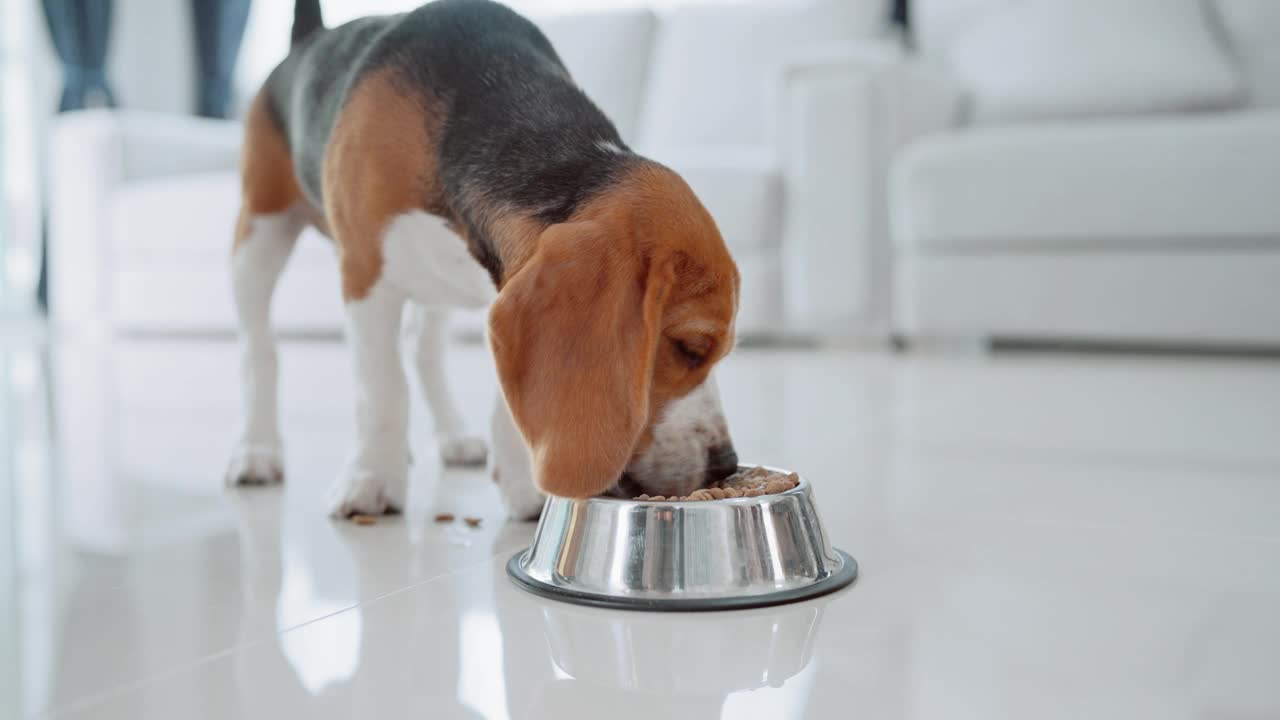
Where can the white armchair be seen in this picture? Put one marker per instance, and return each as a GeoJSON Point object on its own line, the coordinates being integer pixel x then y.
{"type": "Point", "coordinates": [100, 230]}
{"type": "Point", "coordinates": [755, 104]}
{"type": "Point", "coordinates": [1066, 209]}
{"type": "Point", "coordinates": [848, 108]}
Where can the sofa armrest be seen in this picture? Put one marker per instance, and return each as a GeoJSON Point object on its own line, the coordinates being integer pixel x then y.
{"type": "Point", "coordinates": [847, 109]}
{"type": "Point", "coordinates": [146, 145]}
{"type": "Point", "coordinates": [91, 155]}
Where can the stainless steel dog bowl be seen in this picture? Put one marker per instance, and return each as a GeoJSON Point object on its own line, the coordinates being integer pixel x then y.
{"type": "Point", "coordinates": [683, 556]}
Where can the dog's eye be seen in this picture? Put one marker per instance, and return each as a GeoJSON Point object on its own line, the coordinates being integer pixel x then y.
{"type": "Point", "coordinates": [690, 355]}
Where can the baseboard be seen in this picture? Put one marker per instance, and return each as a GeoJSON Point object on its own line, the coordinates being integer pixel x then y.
{"type": "Point", "coordinates": [1122, 347]}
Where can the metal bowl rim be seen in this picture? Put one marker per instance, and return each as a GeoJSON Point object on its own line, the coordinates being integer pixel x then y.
{"type": "Point", "coordinates": [832, 582]}
{"type": "Point", "coordinates": [803, 484]}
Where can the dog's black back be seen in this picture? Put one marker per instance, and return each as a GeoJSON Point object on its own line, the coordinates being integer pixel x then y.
{"type": "Point", "coordinates": [517, 130]}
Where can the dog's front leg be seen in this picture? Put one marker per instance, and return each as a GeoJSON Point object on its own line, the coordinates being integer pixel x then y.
{"type": "Point", "coordinates": [376, 478]}
{"type": "Point", "coordinates": [512, 469]}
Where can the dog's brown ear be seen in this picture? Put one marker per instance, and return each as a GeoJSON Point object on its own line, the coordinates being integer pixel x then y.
{"type": "Point", "coordinates": [574, 334]}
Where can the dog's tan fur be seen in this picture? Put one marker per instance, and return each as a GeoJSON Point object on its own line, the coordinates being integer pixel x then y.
{"type": "Point", "coordinates": [378, 165]}
{"type": "Point", "coordinates": [267, 182]}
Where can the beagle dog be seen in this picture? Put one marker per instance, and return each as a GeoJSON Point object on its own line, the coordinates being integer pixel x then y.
{"type": "Point", "coordinates": [450, 157]}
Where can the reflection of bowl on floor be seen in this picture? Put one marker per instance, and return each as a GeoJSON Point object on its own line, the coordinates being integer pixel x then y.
{"type": "Point", "coordinates": [662, 555]}
{"type": "Point", "coordinates": [682, 654]}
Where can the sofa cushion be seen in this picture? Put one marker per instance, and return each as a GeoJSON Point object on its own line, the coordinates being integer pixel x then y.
{"type": "Point", "coordinates": [189, 219]}
{"type": "Point", "coordinates": [1202, 179]}
{"type": "Point", "coordinates": [716, 70]}
{"type": "Point", "coordinates": [1253, 30]}
{"type": "Point", "coordinates": [1036, 59]}
{"type": "Point", "coordinates": [171, 245]}
{"type": "Point", "coordinates": [741, 189]}
{"type": "Point", "coordinates": [176, 215]}
{"type": "Point", "coordinates": [608, 55]}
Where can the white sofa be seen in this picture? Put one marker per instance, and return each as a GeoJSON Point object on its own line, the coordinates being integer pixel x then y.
{"type": "Point", "coordinates": [749, 102]}
{"type": "Point", "coordinates": [1080, 170]}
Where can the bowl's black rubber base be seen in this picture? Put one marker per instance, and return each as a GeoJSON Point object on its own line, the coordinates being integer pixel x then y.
{"type": "Point", "coordinates": [847, 573]}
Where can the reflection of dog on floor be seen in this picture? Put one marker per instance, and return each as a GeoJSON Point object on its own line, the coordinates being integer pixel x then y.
{"type": "Point", "coordinates": [616, 293]}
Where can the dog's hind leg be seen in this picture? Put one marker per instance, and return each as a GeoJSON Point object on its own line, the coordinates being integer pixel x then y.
{"type": "Point", "coordinates": [269, 224]}
{"type": "Point", "coordinates": [426, 327]}
{"type": "Point", "coordinates": [264, 243]}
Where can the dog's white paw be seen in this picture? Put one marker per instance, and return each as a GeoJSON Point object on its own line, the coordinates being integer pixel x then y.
{"type": "Point", "coordinates": [255, 465]}
{"type": "Point", "coordinates": [463, 451]}
{"type": "Point", "coordinates": [520, 497]}
{"type": "Point", "coordinates": [360, 491]}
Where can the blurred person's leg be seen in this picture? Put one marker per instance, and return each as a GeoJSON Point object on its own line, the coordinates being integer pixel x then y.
{"type": "Point", "coordinates": [218, 29]}
{"type": "Point", "coordinates": [80, 30]}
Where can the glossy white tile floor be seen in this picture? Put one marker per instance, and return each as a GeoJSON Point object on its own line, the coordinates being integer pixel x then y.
{"type": "Point", "coordinates": [1040, 537]}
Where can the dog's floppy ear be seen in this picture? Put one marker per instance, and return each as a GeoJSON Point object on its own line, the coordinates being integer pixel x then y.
{"type": "Point", "coordinates": [574, 334]}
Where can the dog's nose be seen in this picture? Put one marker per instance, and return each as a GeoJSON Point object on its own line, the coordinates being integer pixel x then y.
{"type": "Point", "coordinates": [722, 461]}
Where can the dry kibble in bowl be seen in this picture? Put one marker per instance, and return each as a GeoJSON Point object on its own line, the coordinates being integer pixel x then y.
{"type": "Point", "coordinates": [751, 482]}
